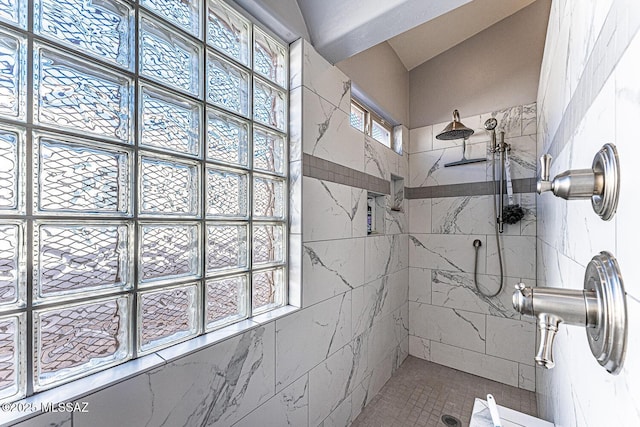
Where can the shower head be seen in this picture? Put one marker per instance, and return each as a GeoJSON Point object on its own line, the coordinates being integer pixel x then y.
{"type": "Point", "coordinates": [455, 129]}
{"type": "Point", "coordinates": [490, 124]}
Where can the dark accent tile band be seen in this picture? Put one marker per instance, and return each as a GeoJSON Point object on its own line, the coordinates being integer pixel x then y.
{"type": "Point", "coordinates": [315, 167]}
{"type": "Point", "coordinates": [605, 55]}
{"type": "Point", "coordinates": [523, 185]}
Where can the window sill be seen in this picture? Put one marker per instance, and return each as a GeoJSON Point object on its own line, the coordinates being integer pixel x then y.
{"type": "Point", "coordinates": [74, 391]}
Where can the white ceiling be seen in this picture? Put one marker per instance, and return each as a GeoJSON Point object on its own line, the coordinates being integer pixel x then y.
{"type": "Point", "coordinates": [433, 37]}
{"type": "Point", "coordinates": [417, 30]}
{"type": "Point", "coordinates": [341, 28]}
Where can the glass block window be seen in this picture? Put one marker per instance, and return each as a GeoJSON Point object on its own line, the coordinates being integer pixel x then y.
{"type": "Point", "coordinates": [143, 181]}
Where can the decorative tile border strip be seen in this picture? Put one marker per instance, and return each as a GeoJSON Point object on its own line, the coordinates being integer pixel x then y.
{"type": "Point", "coordinates": [315, 167]}
{"type": "Point", "coordinates": [523, 185]}
{"type": "Point", "coordinates": [605, 55]}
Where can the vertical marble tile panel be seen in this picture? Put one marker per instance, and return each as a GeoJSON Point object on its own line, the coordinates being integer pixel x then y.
{"type": "Point", "coordinates": [325, 80]}
{"type": "Point", "coordinates": [307, 337]}
{"type": "Point", "coordinates": [509, 121]}
{"type": "Point", "coordinates": [527, 377]}
{"type": "Point", "coordinates": [295, 124]}
{"type": "Point", "coordinates": [330, 383]}
{"type": "Point", "coordinates": [419, 216]}
{"type": "Point", "coordinates": [295, 270]}
{"type": "Point", "coordinates": [331, 268]}
{"type": "Point", "coordinates": [485, 366]}
{"type": "Point", "coordinates": [462, 215]}
{"type": "Point", "coordinates": [328, 211]}
{"type": "Point", "coordinates": [449, 326]}
{"type": "Point", "coordinates": [420, 285]}
{"type": "Point", "coordinates": [528, 224]}
{"type": "Point", "coordinates": [457, 290]}
{"type": "Point", "coordinates": [327, 133]}
{"type": "Point", "coordinates": [628, 111]}
{"type": "Point", "coordinates": [290, 407]}
{"type": "Point", "coordinates": [449, 252]}
{"type": "Point", "coordinates": [379, 160]}
{"type": "Point", "coordinates": [511, 339]}
{"type": "Point", "coordinates": [295, 197]}
{"type": "Point", "coordinates": [419, 347]}
{"type": "Point", "coordinates": [341, 416]}
{"type": "Point", "coordinates": [518, 256]}
{"type": "Point", "coordinates": [296, 55]}
{"type": "Point", "coordinates": [427, 168]}
{"type": "Point", "coordinates": [217, 386]}
{"type": "Point", "coordinates": [522, 157]}
{"type": "Point", "coordinates": [384, 255]}
{"type": "Point", "coordinates": [358, 212]}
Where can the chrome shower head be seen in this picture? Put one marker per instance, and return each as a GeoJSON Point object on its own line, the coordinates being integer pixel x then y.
{"type": "Point", "coordinates": [490, 124]}
{"type": "Point", "coordinates": [455, 129]}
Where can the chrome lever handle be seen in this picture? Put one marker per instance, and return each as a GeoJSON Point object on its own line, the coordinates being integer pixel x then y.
{"type": "Point", "coordinates": [545, 167]}
{"type": "Point", "coordinates": [548, 325]}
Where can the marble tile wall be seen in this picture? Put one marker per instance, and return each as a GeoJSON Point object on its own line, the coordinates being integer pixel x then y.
{"type": "Point", "coordinates": [321, 364]}
{"type": "Point", "coordinates": [589, 95]}
{"type": "Point", "coordinates": [450, 322]}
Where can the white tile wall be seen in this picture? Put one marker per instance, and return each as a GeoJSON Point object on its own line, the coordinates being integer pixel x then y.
{"type": "Point", "coordinates": [450, 321]}
{"type": "Point", "coordinates": [589, 95]}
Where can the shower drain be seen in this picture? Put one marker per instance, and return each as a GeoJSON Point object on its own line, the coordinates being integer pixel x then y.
{"type": "Point", "coordinates": [451, 421]}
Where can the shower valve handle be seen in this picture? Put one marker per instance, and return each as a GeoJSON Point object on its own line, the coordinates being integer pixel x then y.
{"type": "Point", "coordinates": [599, 307]}
{"type": "Point", "coordinates": [545, 166]}
{"type": "Point", "coordinates": [600, 183]}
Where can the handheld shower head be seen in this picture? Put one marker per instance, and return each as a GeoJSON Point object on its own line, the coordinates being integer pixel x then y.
{"type": "Point", "coordinates": [490, 124]}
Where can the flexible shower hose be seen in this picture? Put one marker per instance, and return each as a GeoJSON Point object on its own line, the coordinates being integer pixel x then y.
{"type": "Point", "coordinates": [477, 247]}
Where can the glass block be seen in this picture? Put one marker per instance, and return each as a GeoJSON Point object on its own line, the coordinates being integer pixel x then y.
{"type": "Point", "coordinates": [168, 188]}
{"type": "Point", "coordinates": [226, 247]}
{"type": "Point", "coordinates": [168, 122]}
{"type": "Point", "coordinates": [169, 58]}
{"type": "Point", "coordinates": [167, 316]}
{"type": "Point", "coordinates": [380, 133]}
{"type": "Point", "coordinates": [79, 96]}
{"type": "Point", "coordinates": [227, 138]}
{"type": "Point", "coordinates": [357, 118]}
{"type": "Point", "coordinates": [228, 31]}
{"type": "Point", "coordinates": [12, 169]}
{"type": "Point", "coordinates": [267, 290]}
{"type": "Point", "coordinates": [269, 105]}
{"type": "Point", "coordinates": [168, 251]}
{"type": "Point", "coordinates": [12, 358]}
{"type": "Point", "coordinates": [268, 243]}
{"type": "Point", "coordinates": [268, 151]}
{"type": "Point", "coordinates": [270, 58]}
{"type": "Point", "coordinates": [78, 178]}
{"type": "Point", "coordinates": [268, 197]}
{"type": "Point", "coordinates": [182, 13]}
{"type": "Point", "coordinates": [14, 12]}
{"type": "Point", "coordinates": [100, 28]}
{"type": "Point", "coordinates": [226, 194]}
{"type": "Point", "coordinates": [71, 259]}
{"type": "Point", "coordinates": [226, 301]}
{"type": "Point", "coordinates": [12, 265]}
{"type": "Point", "coordinates": [13, 75]}
{"type": "Point", "coordinates": [227, 85]}
{"type": "Point", "coordinates": [75, 340]}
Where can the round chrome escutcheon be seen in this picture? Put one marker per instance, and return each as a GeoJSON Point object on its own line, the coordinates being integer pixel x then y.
{"type": "Point", "coordinates": [608, 338]}
{"type": "Point", "coordinates": [607, 173]}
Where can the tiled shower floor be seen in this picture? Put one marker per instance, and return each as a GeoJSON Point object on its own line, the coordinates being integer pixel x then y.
{"type": "Point", "coordinates": [420, 392]}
